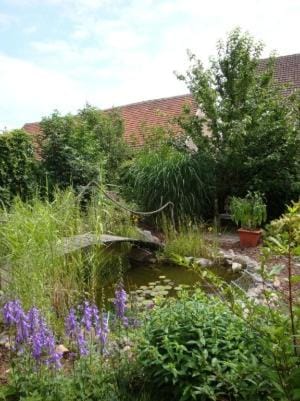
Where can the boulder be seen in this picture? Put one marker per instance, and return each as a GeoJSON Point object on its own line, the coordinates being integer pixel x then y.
{"type": "Point", "coordinates": [236, 267]}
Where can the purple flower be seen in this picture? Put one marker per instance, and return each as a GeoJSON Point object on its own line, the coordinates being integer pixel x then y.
{"type": "Point", "coordinates": [43, 341]}
{"type": "Point", "coordinates": [82, 343]}
{"type": "Point", "coordinates": [33, 332]}
{"type": "Point", "coordinates": [75, 332]}
{"type": "Point", "coordinates": [71, 324]}
{"type": "Point", "coordinates": [14, 315]}
{"type": "Point", "coordinates": [87, 316]}
{"type": "Point", "coordinates": [120, 301]}
{"type": "Point", "coordinates": [102, 330]}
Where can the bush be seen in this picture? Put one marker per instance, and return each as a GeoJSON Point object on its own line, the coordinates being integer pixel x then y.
{"type": "Point", "coordinates": [82, 148]}
{"type": "Point", "coordinates": [167, 173]}
{"type": "Point", "coordinates": [17, 166]}
{"type": "Point", "coordinates": [196, 349]}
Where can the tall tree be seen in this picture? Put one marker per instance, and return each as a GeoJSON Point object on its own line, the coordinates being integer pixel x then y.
{"type": "Point", "coordinates": [254, 126]}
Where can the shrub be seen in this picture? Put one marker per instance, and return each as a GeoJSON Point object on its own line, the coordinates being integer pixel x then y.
{"type": "Point", "coordinates": [196, 349]}
{"type": "Point", "coordinates": [82, 148]}
{"type": "Point", "coordinates": [17, 166]}
{"type": "Point", "coordinates": [167, 173]}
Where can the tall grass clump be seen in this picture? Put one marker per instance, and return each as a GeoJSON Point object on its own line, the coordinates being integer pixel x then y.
{"type": "Point", "coordinates": [168, 173]}
{"type": "Point", "coordinates": [31, 248]}
{"type": "Point", "coordinates": [34, 249]}
{"type": "Point", "coordinates": [186, 240]}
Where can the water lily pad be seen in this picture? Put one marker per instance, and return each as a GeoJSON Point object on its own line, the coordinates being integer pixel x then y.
{"type": "Point", "coordinates": [162, 293]}
{"type": "Point", "coordinates": [162, 277]}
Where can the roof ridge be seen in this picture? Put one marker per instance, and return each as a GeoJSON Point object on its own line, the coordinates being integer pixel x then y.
{"type": "Point", "coordinates": [149, 101]}
{"type": "Point", "coordinates": [279, 57]}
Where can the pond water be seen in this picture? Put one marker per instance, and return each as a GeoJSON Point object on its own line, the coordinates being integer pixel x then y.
{"type": "Point", "coordinates": [142, 275]}
{"type": "Point", "coordinates": [145, 283]}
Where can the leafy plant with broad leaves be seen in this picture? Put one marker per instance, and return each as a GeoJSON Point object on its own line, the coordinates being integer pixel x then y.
{"type": "Point", "coordinates": [284, 239]}
{"type": "Point", "coordinates": [250, 211]}
{"type": "Point", "coordinates": [195, 348]}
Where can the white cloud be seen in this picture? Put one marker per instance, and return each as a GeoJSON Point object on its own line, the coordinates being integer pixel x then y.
{"type": "Point", "coordinates": [120, 51]}
{"type": "Point", "coordinates": [29, 92]}
{"type": "Point", "coordinates": [6, 20]}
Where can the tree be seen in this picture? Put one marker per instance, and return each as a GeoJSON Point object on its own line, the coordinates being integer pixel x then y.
{"type": "Point", "coordinates": [254, 127]}
{"type": "Point", "coordinates": [17, 166]}
{"type": "Point", "coordinates": [78, 149]}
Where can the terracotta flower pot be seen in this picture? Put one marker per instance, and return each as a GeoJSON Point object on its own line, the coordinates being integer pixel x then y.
{"type": "Point", "coordinates": [249, 238]}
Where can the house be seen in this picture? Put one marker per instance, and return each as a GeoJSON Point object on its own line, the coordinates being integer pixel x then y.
{"type": "Point", "coordinates": [159, 112]}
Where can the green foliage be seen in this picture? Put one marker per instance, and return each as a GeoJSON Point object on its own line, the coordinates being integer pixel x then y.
{"type": "Point", "coordinates": [32, 244]}
{"type": "Point", "coordinates": [29, 246]}
{"type": "Point", "coordinates": [187, 241]}
{"type": "Point", "coordinates": [254, 127]}
{"type": "Point", "coordinates": [196, 349]}
{"type": "Point", "coordinates": [250, 211]}
{"type": "Point", "coordinates": [88, 382]}
{"type": "Point", "coordinates": [168, 173]}
{"type": "Point", "coordinates": [79, 149]}
{"type": "Point", "coordinates": [17, 166]}
{"type": "Point", "coordinates": [284, 233]}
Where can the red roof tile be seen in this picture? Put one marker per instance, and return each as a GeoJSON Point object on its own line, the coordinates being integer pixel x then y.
{"type": "Point", "coordinates": [159, 112]}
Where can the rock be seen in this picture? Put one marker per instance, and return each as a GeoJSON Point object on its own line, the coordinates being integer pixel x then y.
{"type": "Point", "coordinates": [203, 262]}
{"type": "Point", "coordinates": [4, 339]}
{"type": "Point", "coordinates": [149, 236]}
{"type": "Point", "coordinates": [236, 267]}
{"type": "Point", "coordinates": [61, 349]}
{"type": "Point", "coordinates": [276, 282]}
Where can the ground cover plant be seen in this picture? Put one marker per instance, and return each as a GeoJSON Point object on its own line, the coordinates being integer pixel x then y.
{"type": "Point", "coordinates": [195, 348]}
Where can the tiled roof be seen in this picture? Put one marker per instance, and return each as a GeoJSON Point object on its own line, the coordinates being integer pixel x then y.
{"type": "Point", "coordinates": [138, 117]}
{"type": "Point", "coordinates": [286, 71]}
{"type": "Point", "coordinates": [159, 112]}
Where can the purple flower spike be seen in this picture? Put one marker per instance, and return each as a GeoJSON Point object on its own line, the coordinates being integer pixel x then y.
{"type": "Point", "coordinates": [82, 344]}
{"type": "Point", "coordinates": [32, 332]}
{"type": "Point", "coordinates": [120, 301]}
{"type": "Point", "coordinates": [11, 312]}
{"type": "Point", "coordinates": [87, 316]}
{"type": "Point", "coordinates": [71, 324]}
{"type": "Point", "coordinates": [102, 330]}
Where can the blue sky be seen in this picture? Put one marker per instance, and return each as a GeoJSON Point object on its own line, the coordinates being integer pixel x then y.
{"type": "Point", "coordinates": [60, 54]}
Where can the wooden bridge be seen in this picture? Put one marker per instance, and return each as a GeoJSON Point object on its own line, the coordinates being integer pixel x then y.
{"type": "Point", "coordinates": [77, 242]}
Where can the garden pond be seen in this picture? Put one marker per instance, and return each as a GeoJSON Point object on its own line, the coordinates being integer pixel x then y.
{"type": "Point", "coordinates": [146, 282]}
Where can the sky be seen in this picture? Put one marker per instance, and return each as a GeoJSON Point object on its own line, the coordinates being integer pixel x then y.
{"type": "Point", "coordinates": [62, 54]}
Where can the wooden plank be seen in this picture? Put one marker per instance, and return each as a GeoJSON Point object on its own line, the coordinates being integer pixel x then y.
{"type": "Point", "coordinates": [77, 242]}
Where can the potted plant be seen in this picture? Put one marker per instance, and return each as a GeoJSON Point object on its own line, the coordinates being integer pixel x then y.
{"type": "Point", "coordinates": [250, 212]}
